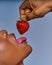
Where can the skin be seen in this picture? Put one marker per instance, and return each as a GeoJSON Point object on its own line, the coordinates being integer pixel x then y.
{"type": "Point", "coordinates": [31, 9]}
{"type": "Point", "coordinates": [11, 52]}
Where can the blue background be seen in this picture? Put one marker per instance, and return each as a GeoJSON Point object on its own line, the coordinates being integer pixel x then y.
{"type": "Point", "coordinates": [39, 34]}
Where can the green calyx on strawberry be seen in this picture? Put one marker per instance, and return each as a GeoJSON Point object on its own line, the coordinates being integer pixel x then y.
{"type": "Point", "coordinates": [22, 26]}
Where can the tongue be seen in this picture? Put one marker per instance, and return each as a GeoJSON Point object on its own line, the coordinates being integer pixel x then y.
{"type": "Point", "coordinates": [21, 40]}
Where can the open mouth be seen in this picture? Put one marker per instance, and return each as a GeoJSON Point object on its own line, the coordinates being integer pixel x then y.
{"type": "Point", "coordinates": [21, 40]}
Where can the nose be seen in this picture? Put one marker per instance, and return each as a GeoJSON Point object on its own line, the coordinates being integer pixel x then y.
{"type": "Point", "coordinates": [3, 33]}
{"type": "Point", "coordinates": [21, 40]}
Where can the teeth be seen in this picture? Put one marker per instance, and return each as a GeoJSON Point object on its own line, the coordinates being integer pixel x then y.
{"type": "Point", "coordinates": [21, 40]}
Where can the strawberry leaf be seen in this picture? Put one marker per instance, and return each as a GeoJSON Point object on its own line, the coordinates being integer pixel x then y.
{"type": "Point", "coordinates": [21, 20]}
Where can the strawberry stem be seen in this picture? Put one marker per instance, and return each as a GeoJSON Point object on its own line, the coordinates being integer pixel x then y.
{"type": "Point", "coordinates": [21, 20]}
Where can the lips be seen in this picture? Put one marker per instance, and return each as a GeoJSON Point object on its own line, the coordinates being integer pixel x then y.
{"type": "Point", "coordinates": [21, 40]}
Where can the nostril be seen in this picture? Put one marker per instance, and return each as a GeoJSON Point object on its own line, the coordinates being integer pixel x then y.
{"type": "Point", "coordinates": [21, 40]}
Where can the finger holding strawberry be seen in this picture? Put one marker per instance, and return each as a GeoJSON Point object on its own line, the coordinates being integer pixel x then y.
{"type": "Point", "coordinates": [22, 26]}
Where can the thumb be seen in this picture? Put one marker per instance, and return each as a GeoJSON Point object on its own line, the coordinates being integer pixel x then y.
{"type": "Point", "coordinates": [31, 15]}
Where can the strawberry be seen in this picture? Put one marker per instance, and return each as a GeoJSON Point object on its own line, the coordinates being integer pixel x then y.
{"type": "Point", "coordinates": [22, 26]}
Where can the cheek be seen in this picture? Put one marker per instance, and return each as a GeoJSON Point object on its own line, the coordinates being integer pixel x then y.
{"type": "Point", "coordinates": [9, 55]}
{"type": "Point", "coordinates": [2, 48]}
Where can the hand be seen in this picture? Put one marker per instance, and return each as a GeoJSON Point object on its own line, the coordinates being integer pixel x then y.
{"type": "Point", "coordinates": [31, 9]}
{"type": "Point", "coordinates": [11, 52]}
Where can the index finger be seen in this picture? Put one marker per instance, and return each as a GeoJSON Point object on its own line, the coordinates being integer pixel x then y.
{"type": "Point", "coordinates": [25, 5]}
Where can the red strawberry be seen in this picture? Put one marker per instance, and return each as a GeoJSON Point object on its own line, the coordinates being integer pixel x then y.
{"type": "Point", "coordinates": [22, 26]}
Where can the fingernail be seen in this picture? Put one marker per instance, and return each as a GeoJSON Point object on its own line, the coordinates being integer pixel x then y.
{"type": "Point", "coordinates": [21, 40]}
{"type": "Point", "coordinates": [23, 17]}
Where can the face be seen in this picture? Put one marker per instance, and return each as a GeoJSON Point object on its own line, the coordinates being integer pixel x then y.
{"type": "Point", "coordinates": [11, 52]}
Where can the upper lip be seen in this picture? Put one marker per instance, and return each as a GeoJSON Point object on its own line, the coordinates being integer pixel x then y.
{"type": "Point", "coordinates": [13, 35]}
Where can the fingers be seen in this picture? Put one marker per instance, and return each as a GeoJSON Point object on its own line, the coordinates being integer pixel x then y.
{"type": "Point", "coordinates": [25, 5]}
{"type": "Point", "coordinates": [30, 15]}
{"type": "Point", "coordinates": [22, 10]}
{"type": "Point", "coordinates": [26, 13]}
{"type": "Point", "coordinates": [40, 12]}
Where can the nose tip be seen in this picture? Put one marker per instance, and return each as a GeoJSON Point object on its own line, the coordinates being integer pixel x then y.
{"type": "Point", "coordinates": [21, 40]}
{"type": "Point", "coordinates": [3, 33]}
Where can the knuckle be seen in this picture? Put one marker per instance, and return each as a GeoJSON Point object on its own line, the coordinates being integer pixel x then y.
{"type": "Point", "coordinates": [37, 13]}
